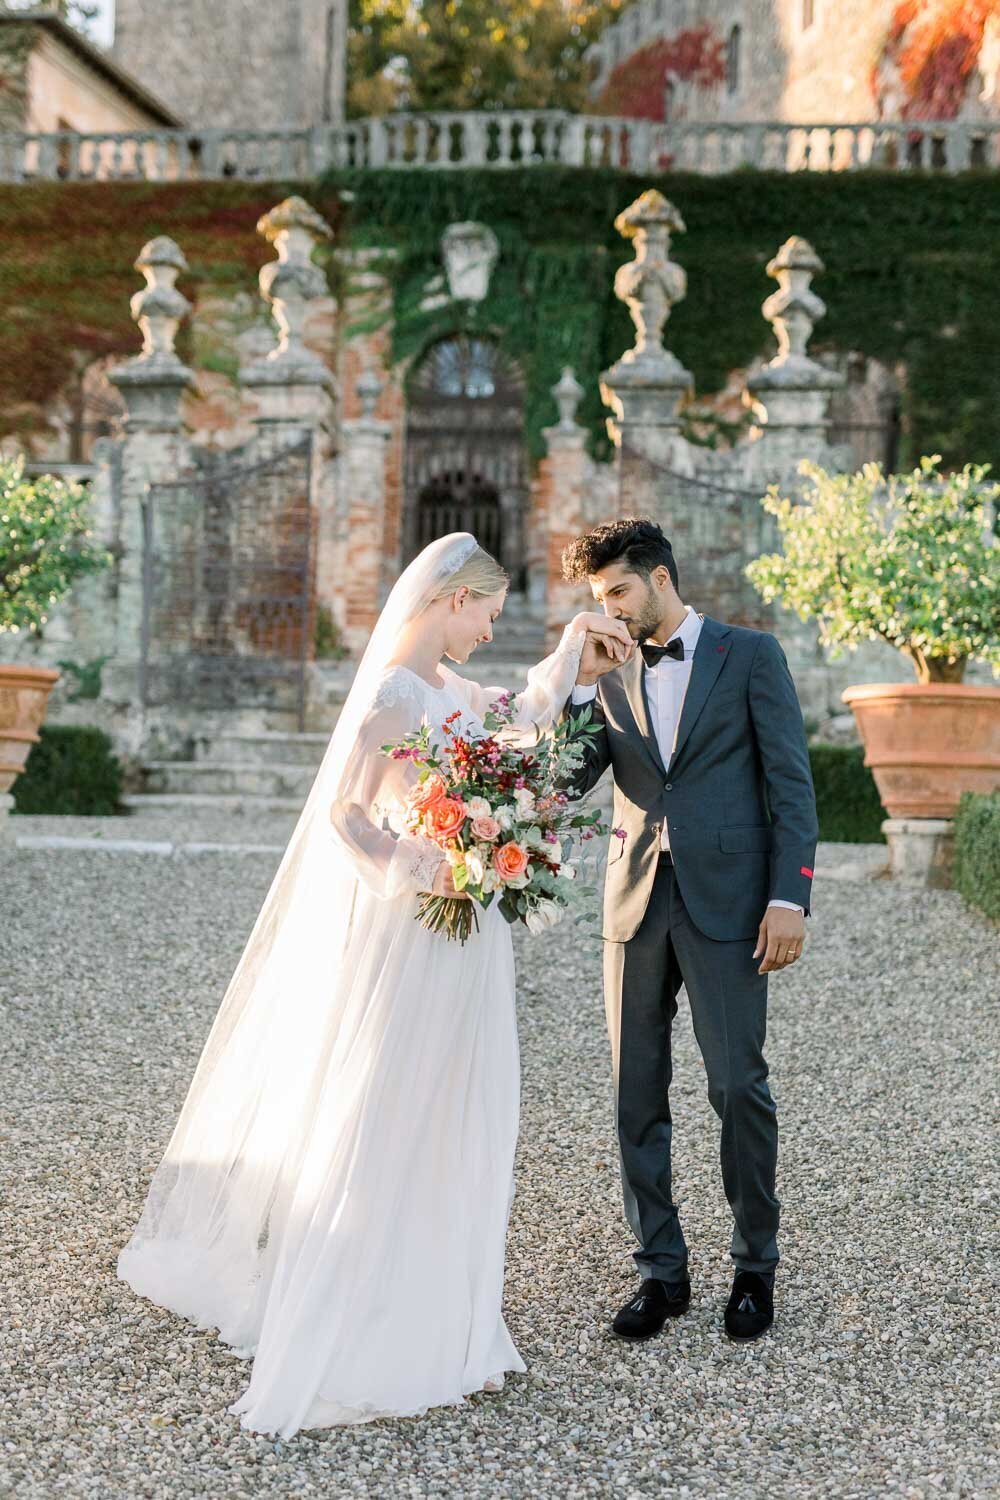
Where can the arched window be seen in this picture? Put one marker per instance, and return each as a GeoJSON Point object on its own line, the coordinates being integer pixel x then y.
{"type": "Point", "coordinates": [733, 60]}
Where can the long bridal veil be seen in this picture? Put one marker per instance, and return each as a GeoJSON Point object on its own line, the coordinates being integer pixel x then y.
{"type": "Point", "coordinates": [213, 1221]}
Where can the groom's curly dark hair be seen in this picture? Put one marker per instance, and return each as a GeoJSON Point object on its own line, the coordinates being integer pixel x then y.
{"type": "Point", "coordinates": [635, 541]}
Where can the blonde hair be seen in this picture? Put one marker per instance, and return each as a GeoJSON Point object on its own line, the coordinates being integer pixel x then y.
{"type": "Point", "coordinates": [482, 575]}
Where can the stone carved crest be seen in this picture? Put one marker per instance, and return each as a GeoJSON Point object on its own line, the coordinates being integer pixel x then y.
{"type": "Point", "coordinates": [469, 251]}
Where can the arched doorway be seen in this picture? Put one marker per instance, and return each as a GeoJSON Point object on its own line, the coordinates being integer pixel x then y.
{"type": "Point", "coordinates": [465, 467]}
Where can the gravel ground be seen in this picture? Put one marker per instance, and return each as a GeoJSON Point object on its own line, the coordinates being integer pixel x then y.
{"type": "Point", "coordinates": [879, 1378]}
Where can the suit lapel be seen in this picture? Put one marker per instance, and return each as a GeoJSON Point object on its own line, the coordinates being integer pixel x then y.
{"type": "Point", "coordinates": [706, 664]}
{"type": "Point", "coordinates": [634, 679]}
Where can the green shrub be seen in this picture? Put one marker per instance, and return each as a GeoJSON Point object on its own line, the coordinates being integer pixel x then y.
{"type": "Point", "coordinates": [976, 872]}
{"type": "Point", "coordinates": [70, 770]}
{"type": "Point", "coordinates": [847, 799]}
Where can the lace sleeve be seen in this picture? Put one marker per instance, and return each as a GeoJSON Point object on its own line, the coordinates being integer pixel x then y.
{"type": "Point", "coordinates": [389, 862]}
{"type": "Point", "coordinates": [550, 682]}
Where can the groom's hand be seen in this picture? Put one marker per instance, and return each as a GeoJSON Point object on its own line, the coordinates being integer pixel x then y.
{"type": "Point", "coordinates": [780, 938]}
{"type": "Point", "coordinates": [607, 645]}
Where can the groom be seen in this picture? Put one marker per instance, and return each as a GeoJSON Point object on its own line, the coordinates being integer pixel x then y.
{"type": "Point", "coordinates": [708, 884]}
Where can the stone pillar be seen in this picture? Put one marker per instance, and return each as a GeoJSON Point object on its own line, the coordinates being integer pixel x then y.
{"type": "Point", "coordinates": [645, 388]}
{"type": "Point", "coordinates": [363, 472]}
{"type": "Point", "coordinates": [155, 449]}
{"type": "Point", "coordinates": [367, 347]}
{"type": "Point", "coordinates": [791, 395]}
{"type": "Point", "coordinates": [921, 850]}
{"type": "Point", "coordinates": [293, 388]}
{"type": "Point", "coordinates": [560, 490]}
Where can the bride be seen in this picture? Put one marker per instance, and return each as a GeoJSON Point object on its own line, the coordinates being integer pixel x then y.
{"type": "Point", "coordinates": [335, 1193]}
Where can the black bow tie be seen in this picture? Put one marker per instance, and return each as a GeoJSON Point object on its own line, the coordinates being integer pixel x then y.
{"type": "Point", "coordinates": [653, 655]}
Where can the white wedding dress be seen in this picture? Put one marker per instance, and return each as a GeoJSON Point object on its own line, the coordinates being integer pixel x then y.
{"type": "Point", "coordinates": [334, 1199]}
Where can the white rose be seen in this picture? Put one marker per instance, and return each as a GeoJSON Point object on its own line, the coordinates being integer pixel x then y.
{"type": "Point", "coordinates": [524, 800]}
{"type": "Point", "coordinates": [546, 914]}
{"type": "Point", "coordinates": [506, 816]}
{"type": "Point", "coordinates": [474, 865]}
{"type": "Point", "coordinates": [478, 807]}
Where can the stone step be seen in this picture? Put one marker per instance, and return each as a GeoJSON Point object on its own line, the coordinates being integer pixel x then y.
{"type": "Point", "coordinates": [266, 748]}
{"type": "Point", "coordinates": [222, 778]}
{"type": "Point", "coordinates": [169, 804]}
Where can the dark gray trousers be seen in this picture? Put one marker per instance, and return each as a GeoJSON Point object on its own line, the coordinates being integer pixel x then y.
{"type": "Point", "coordinates": [729, 1010]}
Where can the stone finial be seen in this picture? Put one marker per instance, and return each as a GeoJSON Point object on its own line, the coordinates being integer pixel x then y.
{"type": "Point", "coordinates": [792, 391]}
{"type": "Point", "coordinates": [288, 285]}
{"type": "Point", "coordinates": [153, 382]}
{"type": "Point", "coordinates": [646, 386]}
{"type": "Point", "coordinates": [469, 251]}
{"type": "Point", "coordinates": [568, 393]}
{"type": "Point", "coordinates": [159, 307]}
{"type": "Point", "coordinates": [650, 284]}
{"type": "Point", "coordinates": [794, 308]}
{"type": "Point", "coordinates": [369, 389]}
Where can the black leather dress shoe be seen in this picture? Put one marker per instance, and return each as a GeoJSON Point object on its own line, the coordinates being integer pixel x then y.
{"type": "Point", "coordinates": [750, 1311]}
{"type": "Point", "coordinates": [645, 1314]}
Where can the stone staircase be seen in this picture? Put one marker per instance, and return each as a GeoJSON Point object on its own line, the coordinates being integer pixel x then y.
{"type": "Point", "coordinates": [267, 771]}
{"type": "Point", "coordinates": [255, 770]}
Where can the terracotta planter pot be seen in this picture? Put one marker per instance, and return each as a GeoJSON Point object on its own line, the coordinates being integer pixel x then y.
{"type": "Point", "coordinates": [928, 743]}
{"type": "Point", "coordinates": [24, 696]}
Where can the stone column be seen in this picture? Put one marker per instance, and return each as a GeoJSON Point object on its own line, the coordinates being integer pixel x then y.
{"type": "Point", "coordinates": [363, 470]}
{"type": "Point", "coordinates": [155, 448]}
{"type": "Point", "coordinates": [645, 388]}
{"type": "Point", "coordinates": [791, 395]}
{"type": "Point", "coordinates": [560, 491]}
{"type": "Point", "coordinates": [293, 388]}
{"type": "Point", "coordinates": [367, 347]}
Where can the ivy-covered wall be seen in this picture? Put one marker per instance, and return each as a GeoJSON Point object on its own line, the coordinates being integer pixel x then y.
{"type": "Point", "coordinates": [912, 265]}
{"type": "Point", "coordinates": [66, 270]}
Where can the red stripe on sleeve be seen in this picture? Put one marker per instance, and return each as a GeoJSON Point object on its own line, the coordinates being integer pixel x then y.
{"type": "Point", "coordinates": [805, 870]}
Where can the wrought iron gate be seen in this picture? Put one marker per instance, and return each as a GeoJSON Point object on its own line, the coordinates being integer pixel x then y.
{"type": "Point", "coordinates": [227, 617]}
{"type": "Point", "coordinates": [465, 460]}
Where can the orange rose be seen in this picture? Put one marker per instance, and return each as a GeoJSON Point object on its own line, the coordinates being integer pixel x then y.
{"type": "Point", "coordinates": [426, 793]}
{"type": "Point", "coordinates": [510, 861]}
{"type": "Point", "coordinates": [443, 819]}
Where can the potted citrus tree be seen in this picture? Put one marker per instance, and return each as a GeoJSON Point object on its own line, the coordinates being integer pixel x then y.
{"type": "Point", "coordinates": [911, 560]}
{"type": "Point", "coordinates": [44, 548]}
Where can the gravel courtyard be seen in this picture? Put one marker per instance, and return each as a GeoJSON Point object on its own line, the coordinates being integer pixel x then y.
{"type": "Point", "coordinates": [880, 1377]}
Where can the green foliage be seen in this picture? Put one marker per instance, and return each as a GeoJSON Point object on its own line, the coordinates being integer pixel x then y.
{"type": "Point", "coordinates": [87, 675]}
{"type": "Point", "coordinates": [910, 559]}
{"type": "Point", "coordinates": [43, 545]}
{"type": "Point", "coordinates": [471, 54]}
{"type": "Point", "coordinates": [847, 800]}
{"type": "Point", "coordinates": [976, 870]}
{"type": "Point", "coordinates": [71, 770]}
{"type": "Point", "coordinates": [328, 642]}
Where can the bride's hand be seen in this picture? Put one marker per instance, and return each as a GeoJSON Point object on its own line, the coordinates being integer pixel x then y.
{"type": "Point", "coordinates": [607, 646]}
{"type": "Point", "coordinates": [612, 635]}
{"type": "Point", "coordinates": [444, 885]}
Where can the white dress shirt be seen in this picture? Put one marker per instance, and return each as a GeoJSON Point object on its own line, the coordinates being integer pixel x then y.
{"type": "Point", "coordinates": [666, 685]}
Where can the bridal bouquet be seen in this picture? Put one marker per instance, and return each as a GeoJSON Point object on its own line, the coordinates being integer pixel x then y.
{"type": "Point", "coordinates": [499, 814]}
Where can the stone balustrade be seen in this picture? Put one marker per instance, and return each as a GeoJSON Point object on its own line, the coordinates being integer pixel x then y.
{"type": "Point", "coordinates": [514, 138]}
